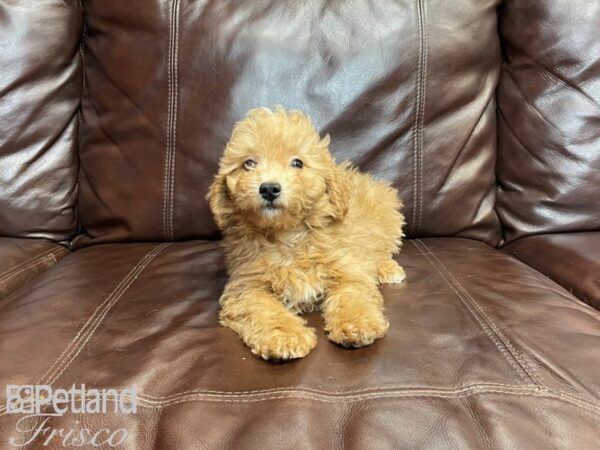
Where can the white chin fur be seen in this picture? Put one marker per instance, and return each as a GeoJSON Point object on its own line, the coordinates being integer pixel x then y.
{"type": "Point", "coordinates": [271, 212]}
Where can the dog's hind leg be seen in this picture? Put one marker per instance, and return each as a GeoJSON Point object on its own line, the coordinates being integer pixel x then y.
{"type": "Point", "coordinates": [390, 272]}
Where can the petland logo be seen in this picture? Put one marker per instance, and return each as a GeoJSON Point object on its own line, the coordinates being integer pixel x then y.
{"type": "Point", "coordinates": [40, 403]}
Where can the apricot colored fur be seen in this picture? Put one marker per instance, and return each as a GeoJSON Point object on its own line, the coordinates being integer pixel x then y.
{"type": "Point", "coordinates": [327, 245]}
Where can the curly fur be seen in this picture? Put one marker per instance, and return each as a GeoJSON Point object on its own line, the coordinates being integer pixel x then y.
{"type": "Point", "coordinates": [326, 242]}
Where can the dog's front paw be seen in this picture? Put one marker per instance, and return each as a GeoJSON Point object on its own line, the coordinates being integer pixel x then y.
{"type": "Point", "coordinates": [391, 272]}
{"type": "Point", "coordinates": [357, 331]}
{"type": "Point", "coordinates": [284, 343]}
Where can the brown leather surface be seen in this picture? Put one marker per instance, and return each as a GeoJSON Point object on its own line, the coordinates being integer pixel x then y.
{"type": "Point", "coordinates": [40, 90]}
{"type": "Point", "coordinates": [406, 90]}
{"type": "Point", "coordinates": [549, 117]}
{"type": "Point", "coordinates": [482, 352]}
{"type": "Point", "coordinates": [22, 259]}
{"type": "Point", "coordinates": [572, 260]}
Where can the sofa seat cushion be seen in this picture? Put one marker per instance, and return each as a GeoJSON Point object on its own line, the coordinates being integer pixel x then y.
{"type": "Point", "coordinates": [22, 259]}
{"type": "Point", "coordinates": [570, 259]}
{"type": "Point", "coordinates": [482, 351]}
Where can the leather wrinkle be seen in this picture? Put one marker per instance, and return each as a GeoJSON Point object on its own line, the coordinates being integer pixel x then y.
{"type": "Point", "coordinates": [451, 170]}
{"type": "Point", "coordinates": [539, 113]}
{"type": "Point", "coordinates": [518, 139]}
{"type": "Point", "coordinates": [559, 77]}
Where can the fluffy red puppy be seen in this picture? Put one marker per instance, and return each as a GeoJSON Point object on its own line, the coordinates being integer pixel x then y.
{"type": "Point", "coordinates": [301, 233]}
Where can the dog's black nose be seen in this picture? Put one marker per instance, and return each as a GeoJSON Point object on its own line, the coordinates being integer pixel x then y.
{"type": "Point", "coordinates": [269, 191]}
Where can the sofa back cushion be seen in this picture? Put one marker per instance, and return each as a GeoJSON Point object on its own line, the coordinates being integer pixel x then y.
{"type": "Point", "coordinates": [40, 90]}
{"type": "Point", "coordinates": [404, 88]}
{"type": "Point", "coordinates": [549, 117]}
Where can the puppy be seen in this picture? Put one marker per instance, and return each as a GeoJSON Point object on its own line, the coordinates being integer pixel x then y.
{"type": "Point", "coordinates": [301, 233]}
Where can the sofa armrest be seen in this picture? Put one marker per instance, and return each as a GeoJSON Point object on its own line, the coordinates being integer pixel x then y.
{"type": "Point", "coordinates": [570, 259]}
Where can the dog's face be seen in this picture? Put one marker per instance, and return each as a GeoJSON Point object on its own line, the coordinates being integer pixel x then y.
{"type": "Point", "coordinates": [275, 173]}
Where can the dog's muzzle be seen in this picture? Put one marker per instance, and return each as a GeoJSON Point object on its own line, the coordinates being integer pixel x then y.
{"type": "Point", "coordinates": [269, 191]}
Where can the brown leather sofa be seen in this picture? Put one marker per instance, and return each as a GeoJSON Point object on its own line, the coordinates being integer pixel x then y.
{"type": "Point", "coordinates": [485, 114]}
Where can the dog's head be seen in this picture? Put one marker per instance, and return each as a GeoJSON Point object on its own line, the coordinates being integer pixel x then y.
{"type": "Point", "coordinates": [276, 173]}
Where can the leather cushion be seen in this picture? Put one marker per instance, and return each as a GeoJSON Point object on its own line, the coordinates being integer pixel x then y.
{"type": "Point", "coordinates": [22, 259]}
{"type": "Point", "coordinates": [572, 260]}
{"type": "Point", "coordinates": [40, 91]}
{"type": "Point", "coordinates": [405, 89]}
{"type": "Point", "coordinates": [482, 351]}
{"type": "Point", "coordinates": [549, 117]}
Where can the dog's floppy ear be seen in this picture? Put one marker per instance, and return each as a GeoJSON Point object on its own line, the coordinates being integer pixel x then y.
{"type": "Point", "coordinates": [219, 201]}
{"type": "Point", "coordinates": [337, 186]}
{"type": "Point", "coordinates": [338, 192]}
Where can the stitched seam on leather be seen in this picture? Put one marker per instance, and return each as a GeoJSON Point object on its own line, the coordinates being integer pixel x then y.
{"type": "Point", "coordinates": [27, 264]}
{"type": "Point", "coordinates": [87, 330]}
{"type": "Point", "coordinates": [501, 341]}
{"type": "Point", "coordinates": [419, 118]}
{"type": "Point", "coordinates": [168, 142]}
{"type": "Point", "coordinates": [485, 327]}
{"type": "Point", "coordinates": [80, 118]}
{"type": "Point", "coordinates": [174, 121]}
{"type": "Point", "coordinates": [591, 407]}
{"type": "Point", "coordinates": [414, 129]}
{"type": "Point", "coordinates": [169, 120]}
{"type": "Point", "coordinates": [423, 5]}
{"type": "Point", "coordinates": [478, 425]}
{"type": "Point", "coordinates": [531, 391]}
{"type": "Point", "coordinates": [172, 88]}
{"type": "Point", "coordinates": [395, 387]}
{"type": "Point", "coordinates": [264, 393]}
{"type": "Point", "coordinates": [342, 395]}
{"type": "Point", "coordinates": [529, 369]}
{"type": "Point", "coordinates": [6, 281]}
{"type": "Point", "coordinates": [523, 364]}
{"type": "Point", "coordinates": [575, 398]}
{"type": "Point", "coordinates": [549, 284]}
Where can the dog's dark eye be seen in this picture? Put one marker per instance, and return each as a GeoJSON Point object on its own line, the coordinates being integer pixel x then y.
{"type": "Point", "coordinates": [249, 164]}
{"type": "Point", "coordinates": [298, 164]}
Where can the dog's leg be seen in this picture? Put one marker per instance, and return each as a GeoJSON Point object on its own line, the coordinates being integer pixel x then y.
{"type": "Point", "coordinates": [353, 314]}
{"type": "Point", "coordinates": [390, 272]}
{"type": "Point", "coordinates": [266, 326]}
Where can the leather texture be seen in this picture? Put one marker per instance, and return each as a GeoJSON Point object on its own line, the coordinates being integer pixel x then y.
{"type": "Point", "coordinates": [40, 91]}
{"type": "Point", "coordinates": [549, 117]}
{"type": "Point", "coordinates": [22, 259]}
{"type": "Point", "coordinates": [166, 81]}
{"type": "Point", "coordinates": [482, 353]}
{"type": "Point", "coordinates": [572, 260]}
